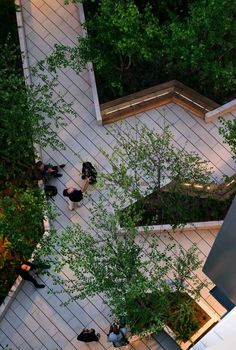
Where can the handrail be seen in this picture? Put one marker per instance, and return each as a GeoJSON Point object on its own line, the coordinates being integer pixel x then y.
{"type": "Point", "coordinates": [158, 95]}
{"type": "Point", "coordinates": [221, 192]}
{"type": "Point", "coordinates": [216, 113]}
{"type": "Point", "coordinates": [90, 68]}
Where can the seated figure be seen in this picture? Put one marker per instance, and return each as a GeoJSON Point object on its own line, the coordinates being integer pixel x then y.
{"type": "Point", "coordinates": [45, 171]}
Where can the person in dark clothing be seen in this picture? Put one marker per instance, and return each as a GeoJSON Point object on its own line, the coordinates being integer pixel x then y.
{"type": "Point", "coordinates": [25, 272]}
{"type": "Point", "coordinates": [88, 335]}
{"type": "Point", "coordinates": [89, 171]}
{"type": "Point", "coordinates": [75, 196]}
{"type": "Point", "coordinates": [45, 171]}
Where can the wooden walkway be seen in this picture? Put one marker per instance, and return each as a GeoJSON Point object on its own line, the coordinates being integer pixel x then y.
{"type": "Point", "coordinates": [35, 320]}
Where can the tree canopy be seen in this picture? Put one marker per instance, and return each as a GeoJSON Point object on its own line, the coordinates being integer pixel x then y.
{"type": "Point", "coordinates": [29, 114]}
{"type": "Point", "coordinates": [228, 130]}
{"type": "Point", "coordinates": [137, 44]}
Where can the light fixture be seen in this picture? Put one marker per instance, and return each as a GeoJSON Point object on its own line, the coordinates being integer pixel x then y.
{"type": "Point", "coordinates": [198, 186]}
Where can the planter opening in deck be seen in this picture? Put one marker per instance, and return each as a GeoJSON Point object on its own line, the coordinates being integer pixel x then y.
{"type": "Point", "coordinates": [186, 316]}
{"type": "Point", "coordinates": [176, 208]}
{"type": "Point", "coordinates": [182, 314]}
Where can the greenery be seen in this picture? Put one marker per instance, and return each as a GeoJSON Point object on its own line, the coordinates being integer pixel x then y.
{"type": "Point", "coordinates": [21, 228]}
{"type": "Point", "coordinates": [228, 130]}
{"type": "Point", "coordinates": [22, 213]}
{"type": "Point", "coordinates": [135, 44]}
{"type": "Point", "coordinates": [7, 348]}
{"type": "Point", "coordinates": [114, 263]}
{"type": "Point", "coordinates": [163, 207]}
{"type": "Point", "coordinates": [29, 115]}
{"type": "Point", "coordinates": [137, 275]}
{"type": "Point", "coordinates": [156, 171]}
{"type": "Point", "coordinates": [144, 164]}
{"type": "Point", "coordinates": [8, 24]}
{"type": "Point", "coordinates": [185, 323]}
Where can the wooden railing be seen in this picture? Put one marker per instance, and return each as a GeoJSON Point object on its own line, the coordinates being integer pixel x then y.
{"type": "Point", "coordinates": [220, 111]}
{"type": "Point", "coordinates": [221, 192]}
{"type": "Point", "coordinates": [172, 91]}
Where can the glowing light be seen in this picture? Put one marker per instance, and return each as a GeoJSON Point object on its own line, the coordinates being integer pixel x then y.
{"type": "Point", "coordinates": [230, 183]}
{"type": "Point", "coordinates": [198, 186]}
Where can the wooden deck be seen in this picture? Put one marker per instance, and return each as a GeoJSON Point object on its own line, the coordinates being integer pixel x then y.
{"type": "Point", "coordinates": [35, 320]}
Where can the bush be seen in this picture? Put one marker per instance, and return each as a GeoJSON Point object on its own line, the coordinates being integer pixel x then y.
{"type": "Point", "coordinates": [28, 115]}
{"type": "Point", "coordinates": [21, 228]}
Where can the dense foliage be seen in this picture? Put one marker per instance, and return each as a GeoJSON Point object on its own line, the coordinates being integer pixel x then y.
{"type": "Point", "coordinates": [158, 208]}
{"type": "Point", "coordinates": [21, 228]}
{"type": "Point", "coordinates": [156, 172]}
{"type": "Point", "coordinates": [135, 44]}
{"type": "Point", "coordinates": [228, 130]}
{"type": "Point", "coordinates": [134, 272]}
{"type": "Point", "coordinates": [28, 115]}
{"type": "Point", "coordinates": [22, 213]}
{"type": "Point", "coordinates": [8, 21]}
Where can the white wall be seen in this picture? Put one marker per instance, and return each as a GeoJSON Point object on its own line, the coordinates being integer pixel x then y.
{"type": "Point", "coordinates": [222, 336]}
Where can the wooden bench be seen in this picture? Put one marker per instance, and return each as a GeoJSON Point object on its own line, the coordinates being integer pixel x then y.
{"type": "Point", "coordinates": [172, 91]}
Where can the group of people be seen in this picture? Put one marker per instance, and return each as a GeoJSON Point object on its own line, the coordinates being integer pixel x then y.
{"type": "Point", "coordinates": [28, 270]}
{"type": "Point", "coordinates": [117, 335]}
{"type": "Point", "coordinates": [75, 196]}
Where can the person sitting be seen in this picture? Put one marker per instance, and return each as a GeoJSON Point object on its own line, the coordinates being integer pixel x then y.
{"type": "Point", "coordinates": [88, 335]}
{"type": "Point", "coordinates": [25, 270]}
{"type": "Point", "coordinates": [45, 171]}
{"type": "Point", "coordinates": [117, 335]}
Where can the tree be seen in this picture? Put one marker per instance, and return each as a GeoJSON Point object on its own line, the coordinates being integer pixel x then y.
{"type": "Point", "coordinates": [150, 162]}
{"type": "Point", "coordinates": [28, 115]}
{"type": "Point", "coordinates": [139, 279]}
{"type": "Point", "coordinates": [21, 227]}
{"type": "Point", "coordinates": [137, 44]}
{"type": "Point", "coordinates": [120, 37]}
{"type": "Point", "coordinates": [114, 263]}
{"type": "Point", "coordinates": [200, 50]}
{"type": "Point", "coordinates": [228, 130]}
{"type": "Point", "coordinates": [8, 25]}
{"type": "Point", "coordinates": [22, 214]}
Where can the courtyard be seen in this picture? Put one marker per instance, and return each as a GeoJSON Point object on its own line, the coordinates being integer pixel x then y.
{"type": "Point", "coordinates": [35, 319]}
